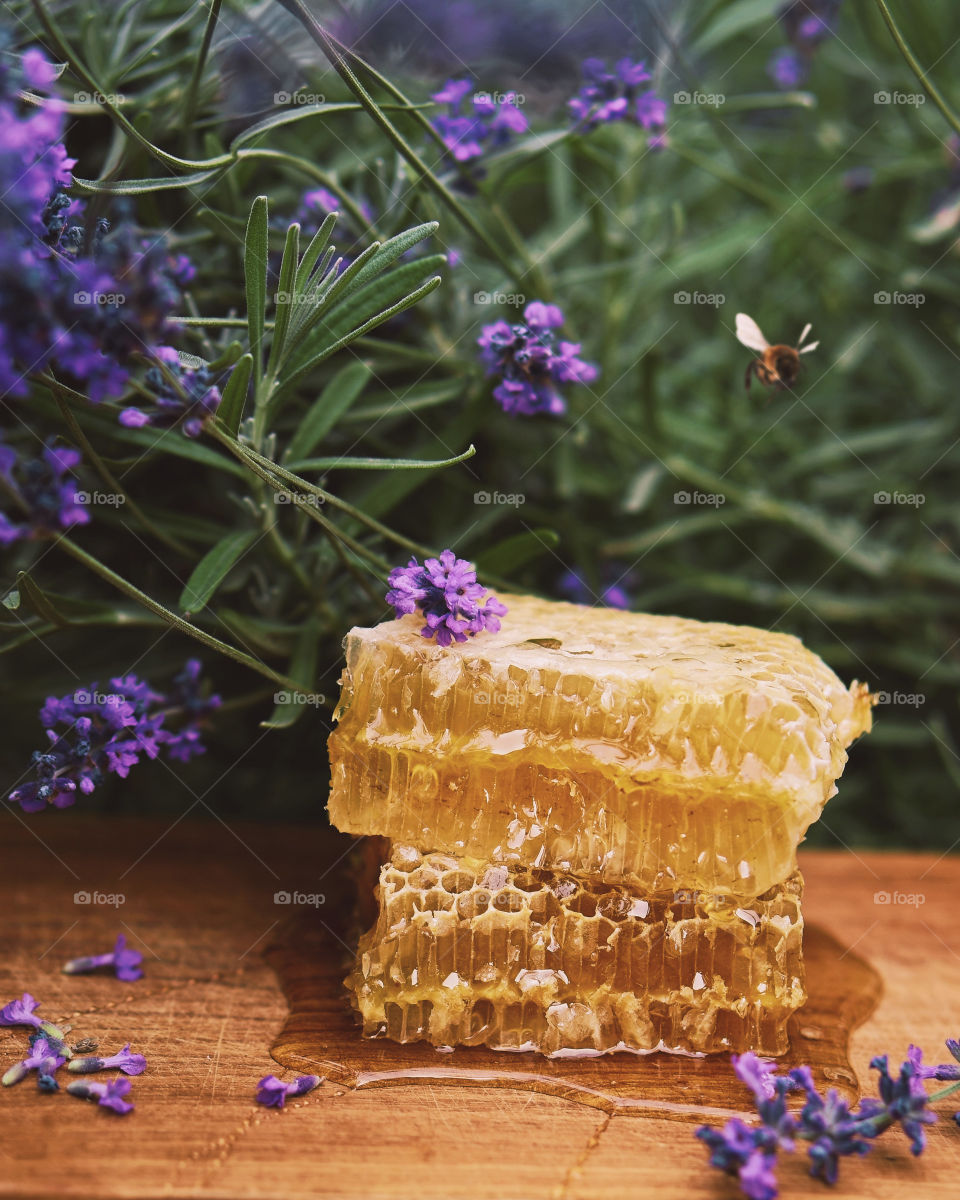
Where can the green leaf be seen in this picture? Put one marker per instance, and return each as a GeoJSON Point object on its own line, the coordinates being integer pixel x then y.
{"type": "Point", "coordinates": [342, 390]}
{"type": "Point", "coordinates": [734, 20]}
{"type": "Point", "coordinates": [140, 187]}
{"type": "Point", "coordinates": [393, 248]}
{"type": "Point", "coordinates": [303, 366]}
{"type": "Point", "coordinates": [287, 117]}
{"type": "Point", "coordinates": [212, 569]}
{"type": "Point", "coordinates": [230, 412]}
{"type": "Point", "coordinates": [287, 299]}
{"type": "Point", "coordinates": [302, 670]}
{"type": "Point", "coordinates": [516, 550]}
{"type": "Point", "coordinates": [378, 464]}
{"type": "Point", "coordinates": [313, 251]}
{"type": "Point", "coordinates": [227, 357]}
{"type": "Point", "coordinates": [29, 595]}
{"type": "Point", "coordinates": [255, 249]}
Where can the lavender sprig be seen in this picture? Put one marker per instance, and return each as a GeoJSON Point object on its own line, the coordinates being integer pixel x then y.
{"type": "Point", "coordinates": [123, 1060]}
{"type": "Point", "coordinates": [110, 1095]}
{"type": "Point", "coordinates": [833, 1130]}
{"type": "Point", "coordinates": [274, 1093]}
{"type": "Point", "coordinates": [124, 961]}
{"type": "Point", "coordinates": [446, 592]}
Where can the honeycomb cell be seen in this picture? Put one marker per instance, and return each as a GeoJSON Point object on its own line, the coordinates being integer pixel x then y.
{"type": "Point", "coordinates": [538, 960]}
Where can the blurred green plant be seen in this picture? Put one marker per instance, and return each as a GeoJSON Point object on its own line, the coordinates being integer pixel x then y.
{"type": "Point", "coordinates": [827, 511]}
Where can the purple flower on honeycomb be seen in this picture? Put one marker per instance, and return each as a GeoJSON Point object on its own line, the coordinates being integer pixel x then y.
{"type": "Point", "coordinates": [94, 733]}
{"type": "Point", "coordinates": [488, 120]}
{"type": "Point", "coordinates": [531, 361]}
{"type": "Point", "coordinates": [617, 95]}
{"type": "Point", "coordinates": [38, 496]}
{"type": "Point", "coordinates": [446, 592]}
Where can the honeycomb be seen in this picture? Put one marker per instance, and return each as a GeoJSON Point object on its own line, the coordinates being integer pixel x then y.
{"type": "Point", "coordinates": [648, 750]}
{"type": "Point", "coordinates": [478, 953]}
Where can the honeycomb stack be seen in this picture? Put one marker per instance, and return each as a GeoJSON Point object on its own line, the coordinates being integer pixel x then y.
{"type": "Point", "coordinates": [594, 817]}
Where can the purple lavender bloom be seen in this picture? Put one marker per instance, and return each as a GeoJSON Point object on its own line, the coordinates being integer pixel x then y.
{"type": "Point", "coordinates": [489, 121]}
{"type": "Point", "coordinates": [531, 362]}
{"type": "Point", "coordinates": [788, 68]}
{"type": "Point", "coordinates": [615, 584]}
{"type": "Point", "coordinates": [273, 1092]}
{"type": "Point", "coordinates": [107, 733]}
{"type": "Point", "coordinates": [744, 1152]}
{"type": "Point", "coordinates": [756, 1073]}
{"type": "Point", "coordinates": [446, 592]}
{"type": "Point", "coordinates": [616, 95]}
{"type": "Point", "coordinates": [182, 395]}
{"type": "Point", "coordinates": [126, 965]}
{"type": "Point", "coordinates": [44, 1057]}
{"type": "Point", "coordinates": [108, 1095]}
{"type": "Point", "coordinates": [40, 493]}
{"type": "Point", "coordinates": [904, 1101]}
{"type": "Point", "coordinates": [21, 1012]}
{"type": "Point", "coordinates": [123, 1060]}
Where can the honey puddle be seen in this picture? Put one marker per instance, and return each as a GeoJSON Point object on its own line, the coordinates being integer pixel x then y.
{"type": "Point", "coordinates": [321, 1035]}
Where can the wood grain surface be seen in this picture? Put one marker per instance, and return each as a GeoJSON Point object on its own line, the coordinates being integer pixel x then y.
{"type": "Point", "coordinates": [198, 900]}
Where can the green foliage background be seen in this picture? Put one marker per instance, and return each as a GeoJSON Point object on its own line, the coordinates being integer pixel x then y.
{"type": "Point", "coordinates": [749, 201]}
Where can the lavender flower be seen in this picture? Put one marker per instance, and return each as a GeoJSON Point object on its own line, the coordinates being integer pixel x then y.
{"type": "Point", "coordinates": [904, 1102]}
{"type": "Point", "coordinates": [806, 23]}
{"type": "Point", "coordinates": [446, 592]}
{"type": "Point", "coordinates": [104, 733]}
{"type": "Point", "coordinates": [273, 1092]}
{"type": "Point", "coordinates": [44, 1057]}
{"type": "Point", "coordinates": [40, 494]}
{"type": "Point", "coordinates": [531, 362]}
{"type": "Point", "coordinates": [107, 1095]}
{"type": "Point", "coordinates": [615, 584]}
{"type": "Point", "coordinates": [182, 395]}
{"type": "Point", "coordinates": [617, 95]}
{"type": "Point", "coordinates": [126, 965]}
{"type": "Point", "coordinates": [21, 1012]}
{"type": "Point", "coordinates": [129, 1064]}
{"type": "Point", "coordinates": [487, 122]}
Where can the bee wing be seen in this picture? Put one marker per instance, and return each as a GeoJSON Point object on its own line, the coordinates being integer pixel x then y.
{"type": "Point", "coordinates": [749, 335]}
{"type": "Point", "coordinates": [806, 330]}
{"type": "Point", "coordinates": [807, 349]}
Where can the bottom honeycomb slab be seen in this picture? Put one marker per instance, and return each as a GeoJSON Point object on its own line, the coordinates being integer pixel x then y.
{"type": "Point", "coordinates": [470, 953]}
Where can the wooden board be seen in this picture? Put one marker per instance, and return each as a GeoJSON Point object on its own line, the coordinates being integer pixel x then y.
{"type": "Point", "coordinates": [199, 902]}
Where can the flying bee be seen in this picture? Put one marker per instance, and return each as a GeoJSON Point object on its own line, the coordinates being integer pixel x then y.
{"type": "Point", "coordinates": [777, 366]}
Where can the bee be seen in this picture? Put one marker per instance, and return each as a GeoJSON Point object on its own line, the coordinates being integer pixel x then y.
{"type": "Point", "coordinates": [777, 366]}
